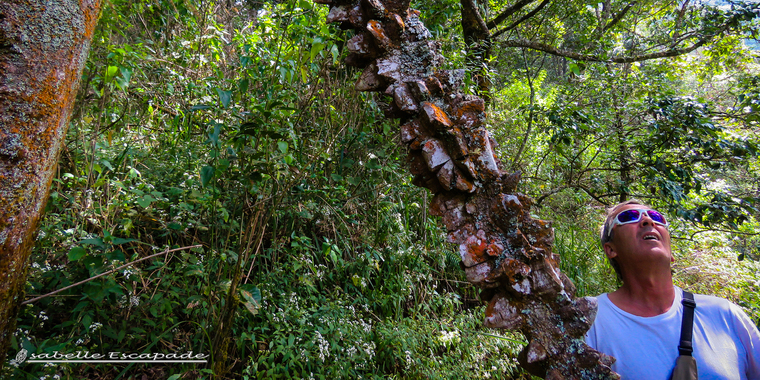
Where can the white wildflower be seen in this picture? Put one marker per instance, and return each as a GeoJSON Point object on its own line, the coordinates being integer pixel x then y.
{"type": "Point", "coordinates": [408, 359]}
{"type": "Point", "coordinates": [324, 346]}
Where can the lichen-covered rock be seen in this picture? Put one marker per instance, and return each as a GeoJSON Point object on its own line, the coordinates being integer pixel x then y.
{"type": "Point", "coordinates": [504, 251]}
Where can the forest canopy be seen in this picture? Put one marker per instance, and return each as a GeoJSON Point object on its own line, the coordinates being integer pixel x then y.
{"type": "Point", "coordinates": [229, 136]}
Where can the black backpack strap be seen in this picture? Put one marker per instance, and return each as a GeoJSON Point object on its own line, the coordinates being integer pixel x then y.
{"type": "Point", "coordinates": [687, 325]}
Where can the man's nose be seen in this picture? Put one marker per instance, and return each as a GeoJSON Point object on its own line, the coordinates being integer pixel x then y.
{"type": "Point", "coordinates": [645, 219]}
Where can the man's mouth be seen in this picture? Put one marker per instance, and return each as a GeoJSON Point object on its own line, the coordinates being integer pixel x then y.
{"type": "Point", "coordinates": [651, 236]}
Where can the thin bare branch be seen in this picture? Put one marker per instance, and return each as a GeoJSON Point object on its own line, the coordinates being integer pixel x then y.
{"type": "Point", "coordinates": [523, 18]}
{"type": "Point", "coordinates": [107, 272]}
{"type": "Point", "coordinates": [679, 20]}
{"type": "Point", "coordinates": [508, 12]}
{"type": "Point", "coordinates": [546, 48]}
{"type": "Point", "coordinates": [619, 16]}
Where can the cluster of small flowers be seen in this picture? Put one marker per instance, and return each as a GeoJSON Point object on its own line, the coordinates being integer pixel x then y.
{"type": "Point", "coordinates": [448, 337]}
{"type": "Point", "coordinates": [367, 327]}
{"type": "Point", "coordinates": [128, 272]}
{"type": "Point", "coordinates": [42, 317]}
{"type": "Point", "coordinates": [54, 377]}
{"type": "Point", "coordinates": [324, 346]}
{"type": "Point", "coordinates": [321, 271]}
{"type": "Point", "coordinates": [276, 315]}
{"type": "Point", "coordinates": [306, 259]}
{"type": "Point", "coordinates": [47, 267]}
{"type": "Point", "coordinates": [131, 300]}
{"type": "Point", "coordinates": [21, 332]}
{"type": "Point", "coordinates": [399, 222]}
{"type": "Point", "coordinates": [95, 326]}
{"type": "Point", "coordinates": [369, 349]}
{"type": "Point", "coordinates": [350, 351]}
{"type": "Point", "coordinates": [408, 359]}
{"type": "Point", "coordinates": [82, 341]}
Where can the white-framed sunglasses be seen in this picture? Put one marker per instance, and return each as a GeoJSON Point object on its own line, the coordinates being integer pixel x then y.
{"type": "Point", "coordinates": [634, 215]}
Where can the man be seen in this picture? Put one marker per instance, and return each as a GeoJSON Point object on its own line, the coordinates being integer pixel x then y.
{"type": "Point", "coordinates": [640, 323]}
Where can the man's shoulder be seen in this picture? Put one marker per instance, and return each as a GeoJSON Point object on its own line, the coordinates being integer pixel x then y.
{"type": "Point", "coordinates": [706, 302]}
{"type": "Point", "coordinates": [713, 306]}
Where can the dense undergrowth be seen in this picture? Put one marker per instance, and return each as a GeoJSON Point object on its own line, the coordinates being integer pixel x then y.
{"type": "Point", "coordinates": [231, 135]}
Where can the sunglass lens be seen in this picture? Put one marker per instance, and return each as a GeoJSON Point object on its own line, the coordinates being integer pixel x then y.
{"type": "Point", "coordinates": [656, 216]}
{"type": "Point", "coordinates": [628, 216]}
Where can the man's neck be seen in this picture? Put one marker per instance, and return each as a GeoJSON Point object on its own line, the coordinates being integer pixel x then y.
{"type": "Point", "coordinates": [645, 297]}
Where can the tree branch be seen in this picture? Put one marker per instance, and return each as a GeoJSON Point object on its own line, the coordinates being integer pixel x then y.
{"type": "Point", "coordinates": [679, 20]}
{"type": "Point", "coordinates": [546, 48]}
{"type": "Point", "coordinates": [508, 12]}
{"type": "Point", "coordinates": [523, 18]}
{"type": "Point", "coordinates": [106, 273]}
{"type": "Point", "coordinates": [619, 16]}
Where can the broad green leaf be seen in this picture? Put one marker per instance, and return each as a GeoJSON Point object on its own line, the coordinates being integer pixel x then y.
{"type": "Point", "coordinates": [107, 164]}
{"type": "Point", "coordinates": [224, 96]}
{"type": "Point", "coordinates": [574, 68]}
{"type": "Point", "coordinates": [96, 241]}
{"type": "Point", "coordinates": [243, 85]}
{"type": "Point", "coordinates": [126, 75]}
{"type": "Point", "coordinates": [145, 200]}
{"type": "Point", "coordinates": [206, 174]}
{"type": "Point", "coordinates": [315, 49]}
{"type": "Point", "coordinates": [283, 146]}
{"type": "Point", "coordinates": [111, 72]}
{"type": "Point", "coordinates": [77, 253]}
{"type": "Point", "coordinates": [87, 321]}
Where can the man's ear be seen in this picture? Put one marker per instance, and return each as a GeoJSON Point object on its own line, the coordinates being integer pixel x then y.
{"type": "Point", "coordinates": [609, 250]}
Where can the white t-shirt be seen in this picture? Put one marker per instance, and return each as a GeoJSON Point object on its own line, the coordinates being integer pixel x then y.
{"type": "Point", "coordinates": [726, 341]}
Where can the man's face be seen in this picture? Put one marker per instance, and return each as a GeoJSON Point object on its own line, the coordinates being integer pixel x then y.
{"type": "Point", "coordinates": [642, 241]}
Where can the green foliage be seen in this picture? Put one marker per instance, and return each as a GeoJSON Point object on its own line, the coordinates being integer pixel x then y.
{"type": "Point", "coordinates": [235, 127]}
{"type": "Point", "coordinates": [583, 261]}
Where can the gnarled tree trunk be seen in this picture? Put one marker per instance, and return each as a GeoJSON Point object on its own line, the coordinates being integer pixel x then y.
{"type": "Point", "coordinates": [43, 48]}
{"type": "Point", "coordinates": [504, 251]}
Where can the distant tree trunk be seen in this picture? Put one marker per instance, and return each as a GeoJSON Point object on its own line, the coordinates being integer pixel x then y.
{"type": "Point", "coordinates": [477, 41]}
{"type": "Point", "coordinates": [43, 48]}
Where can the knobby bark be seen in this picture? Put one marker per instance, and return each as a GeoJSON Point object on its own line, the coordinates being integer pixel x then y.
{"type": "Point", "coordinates": [43, 48]}
{"type": "Point", "coordinates": [504, 250]}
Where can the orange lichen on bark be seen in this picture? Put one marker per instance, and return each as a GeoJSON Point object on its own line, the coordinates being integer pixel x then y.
{"type": "Point", "coordinates": [45, 48]}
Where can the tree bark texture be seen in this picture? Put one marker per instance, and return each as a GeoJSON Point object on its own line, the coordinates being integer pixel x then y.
{"type": "Point", "coordinates": [43, 48]}
{"type": "Point", "coordinates": [504, 250]}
